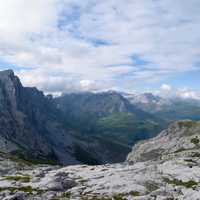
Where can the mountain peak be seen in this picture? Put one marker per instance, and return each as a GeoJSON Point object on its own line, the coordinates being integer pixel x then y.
{"type": "Point", "coordinates": [8, 72]}
{"type": "Point", "coordinates": [8, 78]}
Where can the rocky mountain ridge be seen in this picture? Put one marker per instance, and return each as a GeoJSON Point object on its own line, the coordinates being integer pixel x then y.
{"type": "Point", "coordinates": [106, 112]}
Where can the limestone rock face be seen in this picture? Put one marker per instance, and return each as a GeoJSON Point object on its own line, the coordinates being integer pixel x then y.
{"type": "Point", "coordinates": [181, 138]}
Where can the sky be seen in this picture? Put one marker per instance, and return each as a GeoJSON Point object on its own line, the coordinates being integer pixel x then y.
{"type": "Point", "coordinates": [75, 45]}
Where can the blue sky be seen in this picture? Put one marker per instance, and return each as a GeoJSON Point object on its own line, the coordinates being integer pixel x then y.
{"type": "Point", "coordinates": [131, 45]}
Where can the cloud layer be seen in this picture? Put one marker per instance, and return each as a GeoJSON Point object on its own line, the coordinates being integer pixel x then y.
{"type": "Point", "coordinates": [59, 45]}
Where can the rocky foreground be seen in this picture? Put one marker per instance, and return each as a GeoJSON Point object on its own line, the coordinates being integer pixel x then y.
{"type": "Point", "coordinates": [164, 168]}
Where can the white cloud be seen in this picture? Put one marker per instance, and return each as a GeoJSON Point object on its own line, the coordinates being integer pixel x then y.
{"type": "Point", "coordinates": [186, 93]}
{"type": "Point", "coordinates": [166, 88]}
{"type": "Point", "coordinates": [165, 91]}
{"type": "Point", "coordinates": [87, 85]}
{"type": "Point", "coordinates": [67, 41]}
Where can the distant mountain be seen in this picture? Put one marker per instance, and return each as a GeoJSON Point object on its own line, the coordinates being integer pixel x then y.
{"type": "Point", "coordinates": [168, 109]}
{"type": "Point", "coordinates": [180, 109]}
{"type": "Point", "coordinates": [147, 101]}
{"type": "Point", "coordinates": [108, 116]}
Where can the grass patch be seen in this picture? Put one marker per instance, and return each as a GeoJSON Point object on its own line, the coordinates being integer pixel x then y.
{"type": "Point", "coordinates": [195, 140]}
{"type": "Point", "coordinates": [195, 154]}
{"type": "Point", "coordinates": [26, 189]}
{"type": "Point", "coordinates": [66, 195]}
{"type": "Point", "coordinates": [22, 161]}
{"type": "Point", "coordinates": [118, 197]}
{"type": "Point", "coordinates": [135, 193]}
{"type": "Point", "coordinates": [96, 198]}
{"type": "Point", "coordinates": [187, 124]}
{"type": "Point", "coordinates": [24, 179]}
{"type": "Point", "coordinates": [14, 158]}
{"type": "Point", "coordinates": [114, 197]}
{"type": "Point", "coordinates": [190, 161]}
{"type": "Point", "coordinates": [180, 150]}
{"type": "Point", "coordinates": [82, 181]}
{"type": "Point", "coordinates": [176, 182]}
{"type": "Point", "coordinates": [62, 196]}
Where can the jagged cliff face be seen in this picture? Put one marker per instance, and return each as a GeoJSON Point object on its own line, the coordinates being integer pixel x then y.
{"type": "Point", "coordinates": [29, 123]}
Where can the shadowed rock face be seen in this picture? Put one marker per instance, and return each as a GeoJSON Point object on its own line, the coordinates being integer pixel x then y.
{"type": "Point", "coordinates": [107, 112]}
{"type": "Point", "coordinates": [78, 105]}
{"type": "Point", "coordinates": [30, 124]}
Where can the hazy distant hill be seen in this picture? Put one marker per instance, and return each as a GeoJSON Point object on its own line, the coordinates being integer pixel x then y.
{"type": "Point", "coordinates": [168, 109]}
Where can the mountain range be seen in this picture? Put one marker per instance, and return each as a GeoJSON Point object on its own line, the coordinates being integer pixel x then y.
{"type": "Point", "coordinates": [86, 127]}
{"type": "Point", "coordinates": [169, 109]}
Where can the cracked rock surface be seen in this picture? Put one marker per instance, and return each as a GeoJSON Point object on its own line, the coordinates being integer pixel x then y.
{"type": "Point", "coordinates": [164, 168]}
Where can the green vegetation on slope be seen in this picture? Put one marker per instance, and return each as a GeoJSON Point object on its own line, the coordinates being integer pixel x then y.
{"type": "Point", "coordinates": [24, 179]}
{"type": "Point", "coordinates": [126, 127]}
{"type": "Point", "coordinates": [187, 184]}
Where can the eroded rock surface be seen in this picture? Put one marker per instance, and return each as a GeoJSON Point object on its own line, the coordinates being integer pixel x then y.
{"type": "Point", "coordinates": [164, 168]}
